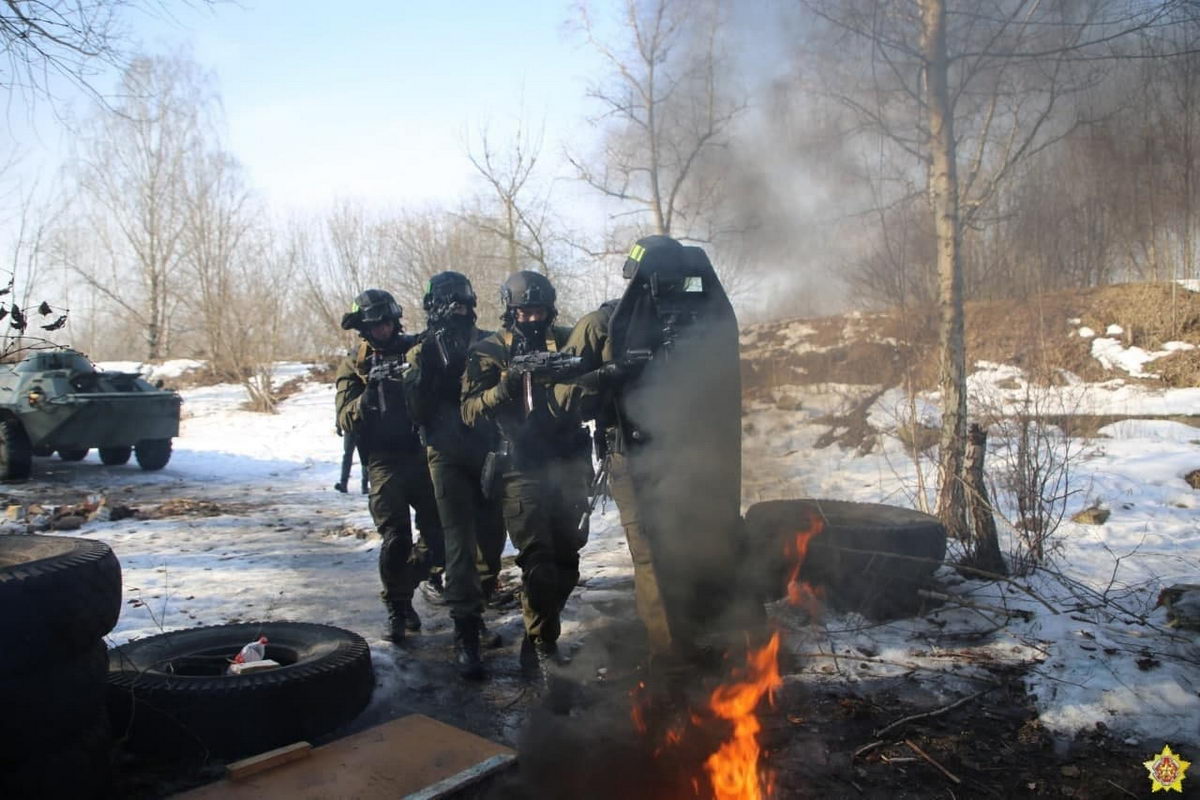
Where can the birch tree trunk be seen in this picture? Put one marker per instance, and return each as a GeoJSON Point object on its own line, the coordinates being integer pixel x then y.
{"type": "Point", "coordinates": [943, 198]}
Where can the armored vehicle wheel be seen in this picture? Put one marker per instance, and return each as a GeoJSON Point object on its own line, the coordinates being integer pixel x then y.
{"type": "Point", "coordinates": [115, 456]}
{"type": "Point", "coordinates": [73, 454]}
{"type": "Point", "coordinates": [16, 456]}
{"type": "Point", "coordinates": [153, 453]}
{"type": "Point", "coordinates": [170, 694]}
{"type": "Point", "coordinates": [42, 451]}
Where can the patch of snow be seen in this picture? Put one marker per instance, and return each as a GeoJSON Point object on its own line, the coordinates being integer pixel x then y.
{"type": "Point", "coordinates": [276, 551]}
{"type": "Point", "coordinates": [1074, 321]}
{"type": "Point", "coordinates": [1191, 284]}
{"type": "Point", "coordinates": [1113, 355]}
{"type": "Point", "coordinates": [1086, 332]}
{"type": "Point", "coordinates": [1114, 330]}
{"type": "Point", "coordinates": [174, 367]}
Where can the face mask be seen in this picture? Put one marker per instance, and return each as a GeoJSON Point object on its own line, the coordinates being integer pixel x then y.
{"type": "Point", "coordinates": [534, 332]}
{"type": "Point", "coordinates": [460, 322]}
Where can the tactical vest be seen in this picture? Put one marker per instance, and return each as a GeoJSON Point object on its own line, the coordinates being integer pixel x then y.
{"type": "Point", "coordinates": [389, 426]}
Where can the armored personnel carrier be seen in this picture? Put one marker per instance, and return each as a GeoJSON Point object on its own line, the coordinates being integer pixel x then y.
{"type": "Point", "coordinates": [58, 400]}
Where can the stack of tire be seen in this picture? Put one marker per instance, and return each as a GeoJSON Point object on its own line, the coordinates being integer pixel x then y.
{"type": "Point", "coordinates": [59, 596]}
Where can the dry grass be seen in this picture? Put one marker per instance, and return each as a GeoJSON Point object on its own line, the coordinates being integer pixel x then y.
{"type": "Point", "coordinates": [1039, 335]}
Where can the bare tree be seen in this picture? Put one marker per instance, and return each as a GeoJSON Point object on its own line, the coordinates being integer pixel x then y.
{"type": "Point", "coordinates": [72, 40]}
{"type": "Point", "coordinates": [664, 108]}
{"type": "Point", "coordinates": [218, 225]}
{"type": "Point", "coordinates": [515, 211]}
{"type": "Point", "coordinates": [133, 176]}
{"type": "Point", "coordinates": [975, 86]}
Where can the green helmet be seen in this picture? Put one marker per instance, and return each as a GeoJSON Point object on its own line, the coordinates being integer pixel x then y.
{"type": "Point", "coordinates": [371, 307]}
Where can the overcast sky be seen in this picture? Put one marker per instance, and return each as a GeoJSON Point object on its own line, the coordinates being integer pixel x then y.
{"type": "Point", "coordinates": [367, 99]}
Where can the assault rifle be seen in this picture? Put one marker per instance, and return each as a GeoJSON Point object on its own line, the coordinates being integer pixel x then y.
{"type": "Point", "coordinates": [385, 368]}
{"type": "Point", "coordinates": [546, 367]}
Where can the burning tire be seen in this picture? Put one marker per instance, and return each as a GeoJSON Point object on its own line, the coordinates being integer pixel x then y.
{"type": "Point", "coordinates": [58, 597]}
{"type": "Point", "coordinates": [870, 557]}
{"type": "Point", "coordinates": [169, 694]}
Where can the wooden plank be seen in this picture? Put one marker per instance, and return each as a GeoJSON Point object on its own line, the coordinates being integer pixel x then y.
{"type": "Point", "coordinates": [240, 770]}
{"type": "Point", "coordinates": [398, 759]}
{"type": "Point", "coordinates": [463, 779]}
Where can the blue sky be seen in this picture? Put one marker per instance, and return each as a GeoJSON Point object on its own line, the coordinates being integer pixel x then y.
{"type": "Point", "coordinates": [370, 100]}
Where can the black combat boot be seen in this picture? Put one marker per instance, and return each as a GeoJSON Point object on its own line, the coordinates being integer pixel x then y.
{"type": "Point", "coordinates": [491, 639]}
{"type": "Point", "coordinates": [394, 631]}
{"type": "Point", "coordinates": [412, 622]}
{"type": "Point", "coordinates": [466, 650]}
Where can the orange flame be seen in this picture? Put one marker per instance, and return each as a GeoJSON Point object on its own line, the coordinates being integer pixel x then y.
{"type": "Point", "coordinates": [733, 769]}
{"type": "Point", "coordinates": [799, 592]}
{"type": "Point", "coordinates": [641, 704]}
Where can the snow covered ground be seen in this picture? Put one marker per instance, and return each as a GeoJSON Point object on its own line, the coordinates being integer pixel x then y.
{"type": "Point", "coordinates": [285, 545]}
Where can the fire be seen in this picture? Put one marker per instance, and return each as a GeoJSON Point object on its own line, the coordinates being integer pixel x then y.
{"type": "Point", "coordinates": [799, 592]}
{"type": "Point", "coordinates": [733, 769]}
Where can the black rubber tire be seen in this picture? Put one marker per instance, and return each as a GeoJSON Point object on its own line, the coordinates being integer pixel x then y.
{"type": "Point", "coordinates": [871, 557]}
{"type": "Point", "coordinates": [52, 702]}
{"type": "Point", "coordinates": [73, 454]}
{"type": "Point", "coordinates": [153, 454]}
{"type": "Point", "coordinates": [325, 681]}
{"type": "Point", "coordinates": [58, 596]}
{"type": "Point", "coordinates": [42, 451]}
{"type": "Point", "coordinates": [16, 454]}
{"type": "Point", "coordinates": [115, 456]}
{"type": "Point", "coordinates": [78, 767]}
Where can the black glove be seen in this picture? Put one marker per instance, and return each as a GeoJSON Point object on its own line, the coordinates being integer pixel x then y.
{"type": "Point", "coordinates": [381, 372]}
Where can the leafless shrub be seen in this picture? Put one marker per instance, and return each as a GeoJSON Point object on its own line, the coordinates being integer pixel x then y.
{"type": "Point", "coordinates": [1033, 452]}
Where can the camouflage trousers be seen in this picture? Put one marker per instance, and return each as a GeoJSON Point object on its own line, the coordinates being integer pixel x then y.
{"type": "Point", "coordinates": [400, 481]}
{"type": "Point", "coordinates": [474, 532]}
{"type": "Point", "coordinates": [542, 511]}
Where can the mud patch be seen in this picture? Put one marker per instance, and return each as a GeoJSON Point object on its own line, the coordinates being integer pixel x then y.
{"type": "Point", "coordinates": [184, 507]}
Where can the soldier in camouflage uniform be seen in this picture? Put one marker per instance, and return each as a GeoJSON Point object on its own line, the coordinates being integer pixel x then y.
{"type": "Point", "coordinates": [371, 404]}
{"type": "Point", "coordinates": [546, 470]}
{"type": "Point", "coordinates": [473, 525]}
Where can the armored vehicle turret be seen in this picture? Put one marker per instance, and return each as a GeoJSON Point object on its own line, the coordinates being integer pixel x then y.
{"type": "Point", "coordinates": [58, 400]}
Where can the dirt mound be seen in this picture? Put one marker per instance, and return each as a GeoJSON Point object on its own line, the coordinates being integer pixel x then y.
{"type": "Point", "coordinates": [1041, 335]}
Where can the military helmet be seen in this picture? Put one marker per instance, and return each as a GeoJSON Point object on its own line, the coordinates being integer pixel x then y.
{"type": "Point", "coordinates": [527, 288]}
{"type": "Point", "coordinates": [447, 288]}
{"type": "Point", "coordinates": [652, 252]}
{"type": "Point", "coordinates": [371, 307]}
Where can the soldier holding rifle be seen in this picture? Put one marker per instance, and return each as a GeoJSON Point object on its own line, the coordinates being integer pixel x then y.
{"type": "Point", "coordinates": [371, 405]}
{"type": "Point", "coordinates": [473, 525]}
{"type": "Point", "coordinates": [541, 469]}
